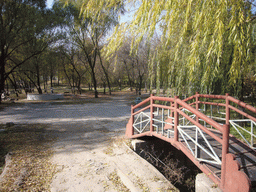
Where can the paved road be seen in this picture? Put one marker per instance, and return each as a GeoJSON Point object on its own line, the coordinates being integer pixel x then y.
{"type": "Point", "coordinates": [84, 154]}
{"type": "Point", "coordinates": [52, 112]}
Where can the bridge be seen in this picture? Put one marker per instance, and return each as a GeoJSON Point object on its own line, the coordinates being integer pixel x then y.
{"type": "Point", "coordinates": [216, 132]}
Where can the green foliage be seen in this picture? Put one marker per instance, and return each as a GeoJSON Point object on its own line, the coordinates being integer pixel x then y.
{"type": "Point", "coordinates": [26, 29]}
{"type": "Point", "coordinates": [198, 38]}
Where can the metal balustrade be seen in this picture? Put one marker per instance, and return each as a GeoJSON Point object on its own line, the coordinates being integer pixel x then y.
{"type": "Point", "coordinates": [204, 138]}
{"type": "Point", "coordinates": [240, 130]}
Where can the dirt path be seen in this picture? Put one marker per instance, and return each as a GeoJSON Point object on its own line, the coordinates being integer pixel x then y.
{"type": "Point", "coordinates": [89, 152]}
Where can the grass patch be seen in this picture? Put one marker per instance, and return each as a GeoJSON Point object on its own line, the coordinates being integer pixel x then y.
{"type": "Point", "coordinates": [245, 134]}
{"type": "Point", "coordinates": [30, 149]}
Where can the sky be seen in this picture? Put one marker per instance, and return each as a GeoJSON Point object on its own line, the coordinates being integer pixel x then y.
{"type": "Point", "coordinates": [49, 3]}
{"type": "Point", "coordinates": [124, 18]}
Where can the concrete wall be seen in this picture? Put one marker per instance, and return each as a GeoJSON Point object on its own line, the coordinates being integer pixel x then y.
{"type": "Point", "coordinates": [44, 96]}
{"type": "Point", "coordinates": [205, 184]}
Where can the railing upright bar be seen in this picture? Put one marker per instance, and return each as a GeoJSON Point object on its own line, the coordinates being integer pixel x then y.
{"type": "Point", "coordinates": [224, 153]}
{"type": "Point", "coordinates": [162, 121]}
{"type": "Point", "coordinates": [171, 112]}
{"type": "Point", "coordinates": [132, 119]}
{"type": "Point", "coordinates": [151, 113]}
{"type": "Point", "coordinates": [252, 138]}
{"type": "Point", "coordinates": [196, 145]}
{"type": "Point", "coordinates": [140, 121]}
{"type": "Point", "coordinates": [211, 114]}
{"type": "Point", "coordinates": [227, 109]}
{"type": "Point", "coordinates": [197, 106]}
{"type": "Point", "coordinates": [176, 119]}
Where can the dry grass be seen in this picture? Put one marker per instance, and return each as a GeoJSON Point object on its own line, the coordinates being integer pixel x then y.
{"type": "Point", "coordinates": [30, 149]}
{"type": "Point", "coordinates": [176, 172]}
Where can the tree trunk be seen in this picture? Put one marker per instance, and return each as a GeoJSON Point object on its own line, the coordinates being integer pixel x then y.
{"type": "Point", "coordinates": [39, 90]}
{"type": "Point", "coordinates": [241, 94]}
{"type": "Point", "coordinates": [14, 84]}
{"type": "Point", "coordinates": [51, 80]}
{"type": "Point", "coordinates": [58, 77]}
{"type": "Point", "coordinates": [2, 74]}
{"type": "Point", "coordinates": [120, 85]}
{"type": "Point", "coordinates": [79, 85]}
{"type": "Point", "coordinates": [94, 84]}
{"type": "Point", "coordinates": [105, 73]}
{"type": "Point", "coordinates": [104, 86]}
{"type": "Point", "coordinates": [38, 81]}
{"type": "Point", "coordinates": [38, 86]}
{"type": "Point", "coordinates": [140, 82]}
{"type": "Point", "coordinates": [128, 75]}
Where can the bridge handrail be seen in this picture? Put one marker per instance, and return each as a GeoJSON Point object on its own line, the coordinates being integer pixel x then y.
{"type": "Point", "coordinates": [141, 103]}
{"type": "Point", "coordinates": [183, 105]}
{"type": "Point", "coordinates": [176, 106]}
{"type": "Point", "coordinates": [228, 99]}
{"type": "Point", "coordinates": [242, 104]}
{"type": "Point", "coordinates": [201, 126]}
{"type": "Point", "coordinates": [200, 115]}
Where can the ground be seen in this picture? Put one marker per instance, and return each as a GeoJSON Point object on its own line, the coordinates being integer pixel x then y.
{"type": "Point", "coordinates": [84, 138]}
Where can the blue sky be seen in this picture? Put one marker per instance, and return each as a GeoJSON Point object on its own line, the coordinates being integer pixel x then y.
{"type": "Point", "coordinates": [49, 3]}
{"type": "Point", "coordinates": [124, 18]}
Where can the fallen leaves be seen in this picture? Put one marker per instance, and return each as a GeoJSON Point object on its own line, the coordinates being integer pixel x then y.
{"type": "Point", "coordinates": [30, 168]}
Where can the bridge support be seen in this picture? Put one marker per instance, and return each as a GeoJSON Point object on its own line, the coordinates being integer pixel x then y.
{"type": "Point", "coordinates": [204, 183]}
{"type": "Point", "coordinates": [235, 180]}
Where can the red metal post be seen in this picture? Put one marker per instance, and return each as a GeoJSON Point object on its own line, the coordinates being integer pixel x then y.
{"type": "Point", "coordinates": [132, 120]}
{"type": "Point", "coordinates": [176, 119]}
{"type": "Point", "coordinates": [151, 113]}
{"type": "Point", "coordinates": [227, 109]}
{"type": "Point", "coordinates": [171, 115]}
{"type": "Point", "coordinates": [225, 145]}
{"type": "Point", "coordinates": [197, 106]}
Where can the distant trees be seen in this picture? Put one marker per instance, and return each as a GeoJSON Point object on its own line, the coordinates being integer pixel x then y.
{"type": "Point", "coordinates": [132, 65]}
{"type": "Point", "coordinates": [178, 46]}
{"type": "Point", "coordinates": [205, 46]}
{"type": "Point", "coordinates": [85, 33]}
{"type": "Point", "coordinates": [21, 24]}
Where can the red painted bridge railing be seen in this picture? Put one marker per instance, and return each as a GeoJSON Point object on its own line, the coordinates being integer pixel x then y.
{"type": "Point", "coordinates": [174, 111]}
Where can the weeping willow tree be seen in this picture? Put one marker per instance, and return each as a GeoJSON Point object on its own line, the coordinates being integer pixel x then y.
{"type": "Point", "coordinates": [205, 45]}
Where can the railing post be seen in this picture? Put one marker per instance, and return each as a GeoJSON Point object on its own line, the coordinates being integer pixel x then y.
{"type": "Point", "coordinates": [227, 109]}
{"type": "Point", "coordinates": [225, 146]}
{"type": "Point", "coordinates": [151, 113]}
{"type": "Point", "coordinates": [171, 115]}
{"type": "Point", "coordinates": [176, 119]}
{"type": "Point", "coordinates": [197, 106]}
{"type": "Point", "coordinates": [132, 119]}
{"type": "Point", "coordinates": [252, 138]}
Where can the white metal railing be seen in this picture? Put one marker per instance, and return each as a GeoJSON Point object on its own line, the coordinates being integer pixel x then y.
{"type": "Point", "coordinates": [239, 129]}
{"type": "Point", "coordinates": [142, 120]}
{"type": "Point", "coordinates": [140, 124]}
{"type": "Point", "coordinates": [209, 151]}
{"type": "Point", "coordinates": [159, 121]}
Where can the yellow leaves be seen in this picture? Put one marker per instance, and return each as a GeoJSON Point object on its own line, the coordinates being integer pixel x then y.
{"type": "Point", "coordinates": [30, 168]}
{"type": "Point", "coordinates": [194, 32]}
